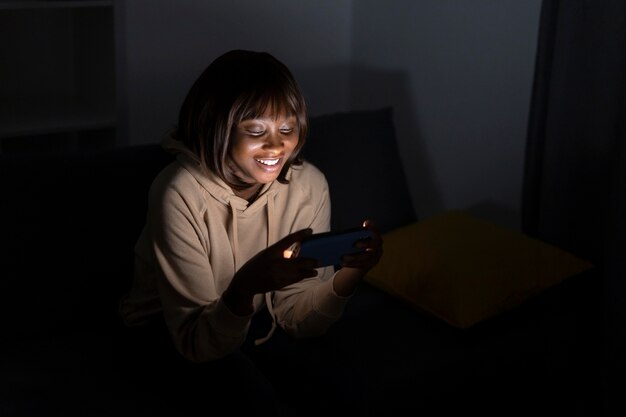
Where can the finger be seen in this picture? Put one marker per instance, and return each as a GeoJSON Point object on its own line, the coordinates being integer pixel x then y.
{"type": "Point", "coordinates": [377, 241]}
{"type": "Point", "coordinates": [372, 243]}
{"type": "Point", "coordinates": [297, 264]}
{"type": "Point", "coordinates": [306, 263]}
{"type": "Point", "coordinates": [289, 240]}
{"type": "Point", "coordinates": [371, 225]}
{"type": "Point", "coordinates": [294, 273]}
{"type": "Point", "coordinates": [295, 278]}
{"type": "Point", "coordinates": [363, 257]}
{"type": "Point", "coordinates": [307, 273]}
{"type": "Point", "coordinates": [357, 257]}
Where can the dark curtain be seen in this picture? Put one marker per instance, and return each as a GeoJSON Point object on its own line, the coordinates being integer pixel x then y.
{"type": "Point", "coordinates": [575, 183]}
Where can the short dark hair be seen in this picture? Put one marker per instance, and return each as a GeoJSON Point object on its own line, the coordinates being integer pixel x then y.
{"type": "Point", "coordinates": [237, 86]}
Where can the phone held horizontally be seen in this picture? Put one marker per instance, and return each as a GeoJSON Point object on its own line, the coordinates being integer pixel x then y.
{"type": "Point", "coordinates": [329, 247]}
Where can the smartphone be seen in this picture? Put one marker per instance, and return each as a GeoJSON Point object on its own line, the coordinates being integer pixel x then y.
{"type": "Point", "coordinates": [329, 247]}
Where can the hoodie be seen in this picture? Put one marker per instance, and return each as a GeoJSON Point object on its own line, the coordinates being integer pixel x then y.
{"type": "Point", "coordinates": [198, 233]}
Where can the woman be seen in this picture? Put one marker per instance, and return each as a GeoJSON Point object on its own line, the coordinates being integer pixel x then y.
{"type": "Point", "coordinates": [222, 215]}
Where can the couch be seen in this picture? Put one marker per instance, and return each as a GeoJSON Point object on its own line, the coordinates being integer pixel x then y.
{"type": "Point", "coordinates": [69, 223]}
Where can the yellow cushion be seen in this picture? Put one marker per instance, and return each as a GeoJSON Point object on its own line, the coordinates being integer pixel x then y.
{"type": "Point", "coordinates": [464, 270]}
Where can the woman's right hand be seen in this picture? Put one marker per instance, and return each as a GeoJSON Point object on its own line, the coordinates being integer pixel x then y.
{"type": "Point", "coordinates": [268, 270]}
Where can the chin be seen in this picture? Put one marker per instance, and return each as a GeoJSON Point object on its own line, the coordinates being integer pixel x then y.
{"type": "Point", "coordinates": [267, 180]}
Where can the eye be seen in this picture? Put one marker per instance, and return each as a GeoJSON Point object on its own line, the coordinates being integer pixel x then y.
{"type": "Point", "coordinates": [286, 130]}
{"type": "Point", "coordinates": [255, 132]}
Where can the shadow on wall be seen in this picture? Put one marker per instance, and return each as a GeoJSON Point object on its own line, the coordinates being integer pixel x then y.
{"type": "Point", "coordinates": [494, 212]}
{"type": "Point", "coordinates": [372, 88]}
{"type": "Point", "coordinates": [326, 89]}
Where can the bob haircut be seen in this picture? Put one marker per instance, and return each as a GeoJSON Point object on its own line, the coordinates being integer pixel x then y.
{"type": "Point", "coordinates": [237, 86]}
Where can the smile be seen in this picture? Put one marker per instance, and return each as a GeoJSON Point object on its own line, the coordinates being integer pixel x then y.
{"type": "Point", "coordinates": [268, 162]}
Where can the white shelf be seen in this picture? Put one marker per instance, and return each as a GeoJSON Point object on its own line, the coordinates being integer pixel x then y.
{"type": "Point", "coordinates": [51, 4]}
{"type": "Point", "coordinates": [57, 120]}
{"type": "Point", "coordinates": [58, 76]}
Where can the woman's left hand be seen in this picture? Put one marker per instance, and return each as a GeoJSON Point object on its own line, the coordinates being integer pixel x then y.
{"type": "Point", "coordinates": [372, 250]}
{"type": "Point", "coordinates": [355, 266]}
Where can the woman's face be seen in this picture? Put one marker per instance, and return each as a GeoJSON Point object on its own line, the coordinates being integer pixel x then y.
{"type": "Point", "coordinates": [261, 146]}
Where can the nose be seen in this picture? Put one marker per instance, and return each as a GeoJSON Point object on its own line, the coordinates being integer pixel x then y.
{"type": "Point", "coordinates": [274, 141]}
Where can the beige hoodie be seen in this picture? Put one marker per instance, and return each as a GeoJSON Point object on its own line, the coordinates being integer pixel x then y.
{"type": "Point", "coordinates": [198, 233]}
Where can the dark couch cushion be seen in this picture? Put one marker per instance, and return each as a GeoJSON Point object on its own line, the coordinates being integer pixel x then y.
{"type": "Point", "coordinates": [69, 222]}
{"type": "Point", "coordinates": [359, 155]}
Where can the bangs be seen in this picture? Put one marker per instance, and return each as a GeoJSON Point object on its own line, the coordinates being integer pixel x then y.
{"type": "Point", "coordinates": [237, 86]}
{"type": "Point", "coordinates": [275, 103]}
{"type": "Point", "coordinates": [264, 86]}
{"type": "Point", "coordinates": [275, 100]}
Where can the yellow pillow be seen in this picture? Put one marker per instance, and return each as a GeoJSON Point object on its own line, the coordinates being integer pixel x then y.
{"type": "Point", "coordinates": [464, 270]}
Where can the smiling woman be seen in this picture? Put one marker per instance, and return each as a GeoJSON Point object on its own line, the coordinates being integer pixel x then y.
{"type": "Point", "coordinates": [260, 149]}
{"type": "Point", "coordinates": [241, 93]}
{"type": "Point", "coordinates": [220, 217]}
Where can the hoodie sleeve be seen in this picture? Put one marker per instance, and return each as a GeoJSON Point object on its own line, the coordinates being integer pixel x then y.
{"type": "Point", "coordinates": [201, 325]}
{"type": "Point", "coordinates": [309, 307]}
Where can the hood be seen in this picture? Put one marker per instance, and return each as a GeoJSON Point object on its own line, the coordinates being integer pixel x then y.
{"type": "Point", "coordinates": [239, 207]}
{"type": "Point", "coordinates": [213, 184]}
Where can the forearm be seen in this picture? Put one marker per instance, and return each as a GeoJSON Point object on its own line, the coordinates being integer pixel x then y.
{"type": "Point", "coordinates": [308, 308]}
{"type": "Point", "coordinates": [346, 280]}
{"type": "Point", "coordinates": [239, 302]}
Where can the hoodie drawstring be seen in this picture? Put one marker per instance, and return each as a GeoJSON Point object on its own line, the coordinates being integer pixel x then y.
{"type": "Point", "coordinates": [219, 190]}
{"type": "Point", "coordinates": [271, 238]}
{"type": "Point", "coordinates": [234, 232]}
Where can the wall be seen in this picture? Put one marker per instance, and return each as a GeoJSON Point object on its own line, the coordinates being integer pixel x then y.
{"type": "Point", "coordinates": [458, 74]}
{"type": "Point", "coordinates": [164, 45]}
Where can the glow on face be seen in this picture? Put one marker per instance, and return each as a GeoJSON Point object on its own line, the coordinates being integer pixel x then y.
{"type": "Point", "coordinates": [261, 146]}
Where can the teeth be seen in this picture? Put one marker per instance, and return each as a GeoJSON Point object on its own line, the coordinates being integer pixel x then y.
{"type": "Point", "coordinates": [268, 161]}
